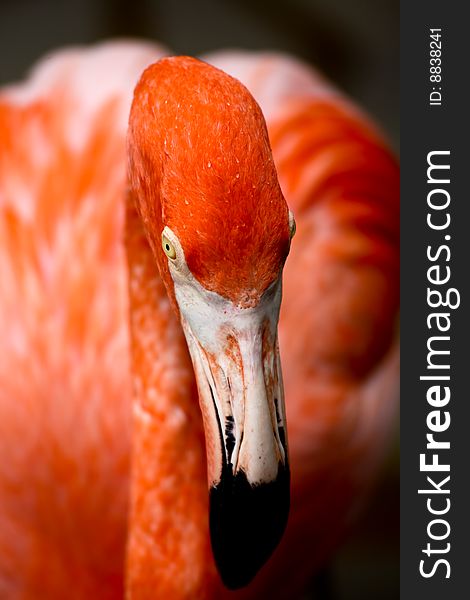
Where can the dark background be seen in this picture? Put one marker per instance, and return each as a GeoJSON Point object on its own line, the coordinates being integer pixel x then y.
{"type": "Point", "coordinates": [355, 43]}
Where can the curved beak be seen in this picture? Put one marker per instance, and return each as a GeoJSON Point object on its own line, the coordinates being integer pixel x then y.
{"type": "Point", "coordinates": [236, 361]}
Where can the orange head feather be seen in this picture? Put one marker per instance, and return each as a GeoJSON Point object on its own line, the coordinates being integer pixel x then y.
{"type": "Point", "coordinates": [201, 163]}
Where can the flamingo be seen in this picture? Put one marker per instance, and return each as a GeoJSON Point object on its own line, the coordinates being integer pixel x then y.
{"type": "Point", "coordinates": [140, 358]}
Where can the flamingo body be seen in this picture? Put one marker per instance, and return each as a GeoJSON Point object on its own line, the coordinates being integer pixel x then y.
{"type": "Point", "coordinates": [66, 292]}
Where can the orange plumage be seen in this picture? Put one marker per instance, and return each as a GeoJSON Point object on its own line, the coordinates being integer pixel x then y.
{"type": "Point", "coordinates": [73, 521]}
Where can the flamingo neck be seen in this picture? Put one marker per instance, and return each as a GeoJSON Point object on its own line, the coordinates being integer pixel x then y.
{"type": "Point", "coordinates": [168, 551]}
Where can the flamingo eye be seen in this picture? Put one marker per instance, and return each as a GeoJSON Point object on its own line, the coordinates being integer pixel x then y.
{"type": "Point", "coordinates": [292, 225]}
{"type": "Point", "coordinates": [168, 247]}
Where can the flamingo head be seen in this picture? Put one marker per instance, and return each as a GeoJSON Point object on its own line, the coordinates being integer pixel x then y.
{"type": "Point", "coordinates": [202, 173]}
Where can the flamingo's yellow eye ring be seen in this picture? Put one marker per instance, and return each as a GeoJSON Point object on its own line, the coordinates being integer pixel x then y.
{"type": "Point", "coordinates": [292, 225]}
{"type": "Point", "coordinates": [168, 247]}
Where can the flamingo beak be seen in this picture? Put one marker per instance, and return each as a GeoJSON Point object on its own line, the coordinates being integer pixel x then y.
{"type": "Point", "coordinates": [236, 361]}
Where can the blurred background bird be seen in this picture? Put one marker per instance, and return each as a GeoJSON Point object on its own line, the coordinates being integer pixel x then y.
{"type": "Point", "coordinates": [66, 374]}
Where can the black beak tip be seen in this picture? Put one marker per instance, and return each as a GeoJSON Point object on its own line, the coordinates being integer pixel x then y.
{"type": "Point", "coordinates": [246, 524]}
